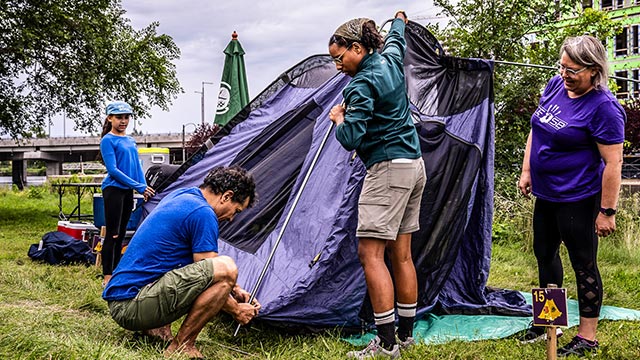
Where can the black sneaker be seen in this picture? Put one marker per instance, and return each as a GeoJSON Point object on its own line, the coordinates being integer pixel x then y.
{"type": "Point", "coordinates": [537, 333]}
{"type": "Point", "coordinates": [579, 346]}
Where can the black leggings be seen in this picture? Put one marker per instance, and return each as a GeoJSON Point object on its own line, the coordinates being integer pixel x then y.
{"type": "Point", "coordinates": [574, 224]}
{"type": "Point", "coordinates": [118, 204]}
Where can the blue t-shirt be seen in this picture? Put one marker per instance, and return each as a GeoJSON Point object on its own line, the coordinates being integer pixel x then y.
{"type": "Point", "coordinates": [182, 224]}
{"type": "Point", "coordinates": [566, 165]}
{"type": "Point", "coordinates": [120, 156]}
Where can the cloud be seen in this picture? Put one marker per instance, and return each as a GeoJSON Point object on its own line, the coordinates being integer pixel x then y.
{"type": "Point", "coordinates": [275, 34]}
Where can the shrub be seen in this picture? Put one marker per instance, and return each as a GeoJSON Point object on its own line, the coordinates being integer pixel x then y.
{"type": "Point", "coordinates": [36, 192]}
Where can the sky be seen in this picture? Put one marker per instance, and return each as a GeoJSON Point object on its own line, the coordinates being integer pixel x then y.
{"type": "Point", "coordinates": [275, 35]}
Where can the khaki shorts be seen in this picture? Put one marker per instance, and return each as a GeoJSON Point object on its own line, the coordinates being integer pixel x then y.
{"type": "Point", "coordinates": [165, 300]}
{"type": "Point", "coordinates": [390, 199]}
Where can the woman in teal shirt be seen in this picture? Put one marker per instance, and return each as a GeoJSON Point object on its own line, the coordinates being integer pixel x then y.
{"type": "Point", "coordinates": [375, 121]}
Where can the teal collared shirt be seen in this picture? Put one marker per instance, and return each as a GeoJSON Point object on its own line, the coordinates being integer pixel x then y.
{"type": "Point", "coordinates": [377, 122]}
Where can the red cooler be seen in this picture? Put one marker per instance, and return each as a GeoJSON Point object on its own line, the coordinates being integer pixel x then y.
{"type": "Point", "coordinates": [76, 229]}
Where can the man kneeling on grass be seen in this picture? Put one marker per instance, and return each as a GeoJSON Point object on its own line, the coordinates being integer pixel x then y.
{"type": "Point", "coordinates": [172, 268]}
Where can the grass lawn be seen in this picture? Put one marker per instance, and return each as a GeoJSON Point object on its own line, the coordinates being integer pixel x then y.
{"type": "Point", "coordinates": [56, 312]}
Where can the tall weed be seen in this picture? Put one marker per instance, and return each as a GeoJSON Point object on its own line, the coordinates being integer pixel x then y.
{"type": "Point", "coordinates": [512, 220]}
{"type": "Point", "coordinates": [627, 232]}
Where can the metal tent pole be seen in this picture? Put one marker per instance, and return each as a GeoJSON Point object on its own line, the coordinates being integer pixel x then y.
{"type": "Point", "coordinates": [554, 68]}
{"type": "Point", "coordinates": [286, 220]}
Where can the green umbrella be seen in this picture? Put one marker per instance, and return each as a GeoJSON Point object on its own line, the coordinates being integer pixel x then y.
{"type": "Point", "coordinates": [234, 92]}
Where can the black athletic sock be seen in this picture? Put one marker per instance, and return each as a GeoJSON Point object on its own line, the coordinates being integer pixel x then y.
{"type": "Point", "coordinates": [385, 324]}
{"type": "Point", "coordinates": [406, 317]}
{"type": "Point", "coordinates": [386, 333]}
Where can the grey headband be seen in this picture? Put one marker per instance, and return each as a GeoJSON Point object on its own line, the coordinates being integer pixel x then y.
{"type": "Point", "coordinates": [352, 29]}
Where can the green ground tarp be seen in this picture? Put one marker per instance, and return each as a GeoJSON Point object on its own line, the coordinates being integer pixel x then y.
{"type": "Point", "coordinates": [435, 329]}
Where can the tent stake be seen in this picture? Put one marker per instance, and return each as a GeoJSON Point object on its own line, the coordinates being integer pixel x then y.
{"type": "Point", "coordinates": [286, 220]}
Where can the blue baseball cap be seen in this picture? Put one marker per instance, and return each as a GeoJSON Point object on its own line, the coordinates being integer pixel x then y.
{"type": "Point", "coordinates": [118, 107]}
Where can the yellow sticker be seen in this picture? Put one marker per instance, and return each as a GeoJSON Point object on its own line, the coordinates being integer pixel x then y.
{"type": "Point", "coordinates": [550, 311]}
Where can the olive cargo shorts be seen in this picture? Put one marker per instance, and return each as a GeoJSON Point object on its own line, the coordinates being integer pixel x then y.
{"type": "Point", "coordinates": [166, 299]}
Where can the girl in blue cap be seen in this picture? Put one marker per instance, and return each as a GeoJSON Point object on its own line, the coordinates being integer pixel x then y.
{"type": "Point", "coordinates": [124, 174]}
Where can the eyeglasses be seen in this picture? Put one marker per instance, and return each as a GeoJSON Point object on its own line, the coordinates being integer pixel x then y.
{"type": "Point", "coordinates": [122, 116]}
{"type": "Point", "coordinates": [571, 72]}
{"type": "Point", "coordinates": [338, 59]}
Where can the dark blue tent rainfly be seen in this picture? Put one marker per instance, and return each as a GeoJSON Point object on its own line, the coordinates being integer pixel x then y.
{"type": "Point", "coordinates": [315, 278]}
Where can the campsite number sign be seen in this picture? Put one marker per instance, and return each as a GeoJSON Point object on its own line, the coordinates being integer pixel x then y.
{"type": "Point", "coordinates": [550, 307]}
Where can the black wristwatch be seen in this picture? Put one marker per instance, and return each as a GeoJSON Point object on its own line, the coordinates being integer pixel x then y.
{"type": "Point", "coordinates": [608, 211]}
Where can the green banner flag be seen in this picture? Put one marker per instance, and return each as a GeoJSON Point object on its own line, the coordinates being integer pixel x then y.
{"type": "Point", "coordinates": [234, 92]}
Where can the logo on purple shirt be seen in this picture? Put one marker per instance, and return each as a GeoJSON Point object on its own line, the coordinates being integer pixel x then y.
{"type": "Point", "coordinates": [550, 116]}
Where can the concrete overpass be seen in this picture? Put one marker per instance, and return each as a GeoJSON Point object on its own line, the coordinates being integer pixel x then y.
{"type": "Point", "coordinates": [58, 150]}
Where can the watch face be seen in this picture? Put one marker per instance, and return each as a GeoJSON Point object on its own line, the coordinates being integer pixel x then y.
{"type": "Point", "coordinates": [608, 211]}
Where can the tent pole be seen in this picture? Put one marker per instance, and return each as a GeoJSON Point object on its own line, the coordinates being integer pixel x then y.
{"type": "Point", "coordinates": [524, 64]}
{"type": "Point", "coordinates": [500, 62]}
{"type": "Point", "coordinates": [286, 220]}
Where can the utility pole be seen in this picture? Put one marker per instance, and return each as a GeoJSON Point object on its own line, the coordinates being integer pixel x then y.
{"type": "Point", "coordinates": [202, 99]}
{"type": "Point", "coordinates": [183, 140]}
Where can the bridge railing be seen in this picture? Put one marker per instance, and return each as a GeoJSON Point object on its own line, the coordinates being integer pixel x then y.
{"type": "Point", "coordinates": [83, 166]}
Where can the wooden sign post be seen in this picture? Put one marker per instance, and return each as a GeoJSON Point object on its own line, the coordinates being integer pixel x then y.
{"type": "Point", "coordinates": [550, 311]}
{"type": "Point", "coordinates": [103, 233]}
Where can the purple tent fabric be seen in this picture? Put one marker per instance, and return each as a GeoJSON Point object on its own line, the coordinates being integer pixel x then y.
{"type": "Point", "coordinates": [315, 278]}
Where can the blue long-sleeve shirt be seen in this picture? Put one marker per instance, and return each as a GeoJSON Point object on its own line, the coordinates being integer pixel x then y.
{"type": "Point", "coordinates": [377, 120]}
{"type": "Point", "coordinates": [120, 156]}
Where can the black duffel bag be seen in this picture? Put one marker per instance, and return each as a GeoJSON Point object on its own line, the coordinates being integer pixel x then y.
{"type": "Point", "coordinates": [59, 248]}
{"type": "Point", "coordinates": [157, 174]}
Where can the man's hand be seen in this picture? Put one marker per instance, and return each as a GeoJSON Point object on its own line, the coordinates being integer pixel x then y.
{"type": "Point", "coordinates": [243, 296]}
{"type": "Point", "coordinates": [240, 294]}
{"type": "Point", "coordinates": [246, 312]}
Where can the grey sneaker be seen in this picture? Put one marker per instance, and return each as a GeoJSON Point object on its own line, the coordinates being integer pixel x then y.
{"type": "Point", "coordinates": [404, 345]}
{"type": "Point", "coordinates": [375, 350]}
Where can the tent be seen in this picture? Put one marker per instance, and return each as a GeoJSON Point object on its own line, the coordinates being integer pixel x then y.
{"type": "Point", "coordinates": [315, 278]}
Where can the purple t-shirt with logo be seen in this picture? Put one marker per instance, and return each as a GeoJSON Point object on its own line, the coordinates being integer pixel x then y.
{"type": "Point", "coordinates": [565, 162]}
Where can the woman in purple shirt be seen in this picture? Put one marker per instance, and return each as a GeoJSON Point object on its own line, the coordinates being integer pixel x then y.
{"type": "Point", "coordinates": [572, 164]}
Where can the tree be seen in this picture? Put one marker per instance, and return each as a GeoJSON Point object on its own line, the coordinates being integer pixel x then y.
{"type": "Point", "coordinates": [523, 31]}
{"type": "Point", "coordinates": [632, 127]}
{"type": "Point", "coordinates": [201, 134]}
{"type": "Point", "coordinates": [73, 56]}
